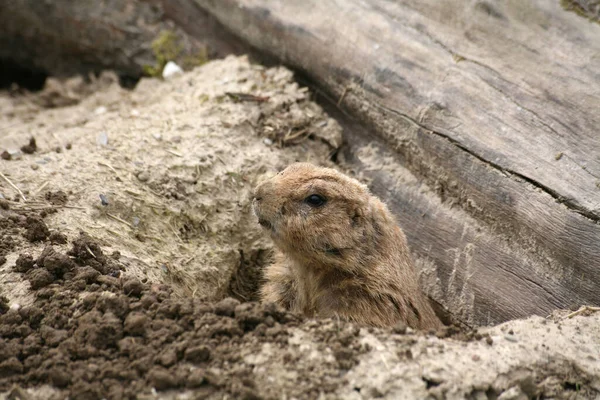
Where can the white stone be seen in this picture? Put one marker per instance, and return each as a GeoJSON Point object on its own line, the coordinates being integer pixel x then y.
{"type": "Point", "coordinates": [171, 69]}
{"type": "Point", "coordinates": [102, 139]}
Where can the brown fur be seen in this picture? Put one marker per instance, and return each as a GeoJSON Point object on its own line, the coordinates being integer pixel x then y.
{"type": "Point", "coordinates": [347, 258]}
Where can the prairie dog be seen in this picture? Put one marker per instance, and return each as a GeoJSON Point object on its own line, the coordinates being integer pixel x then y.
{"type": "Point", "coordinates": [340, 252]}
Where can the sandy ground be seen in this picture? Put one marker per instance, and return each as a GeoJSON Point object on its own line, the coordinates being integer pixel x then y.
{"type": "Point", "coordinates": [129, 221]}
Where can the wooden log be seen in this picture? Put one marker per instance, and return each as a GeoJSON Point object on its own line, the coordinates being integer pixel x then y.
{"type": "Point", "coordinates": [65, 37]}
{"type": "Point", "coordinates": [490, 115]}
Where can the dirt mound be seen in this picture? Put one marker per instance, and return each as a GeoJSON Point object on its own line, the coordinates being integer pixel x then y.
{"type": "Point", "coordinates": [93, 335]}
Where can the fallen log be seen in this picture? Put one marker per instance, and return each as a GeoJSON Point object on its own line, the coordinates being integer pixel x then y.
{"type": "Point", "coordinates": [488, 113]}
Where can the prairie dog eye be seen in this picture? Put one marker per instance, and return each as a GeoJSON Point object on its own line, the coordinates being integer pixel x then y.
{"type": "Point", "coordinates": [315, 200]}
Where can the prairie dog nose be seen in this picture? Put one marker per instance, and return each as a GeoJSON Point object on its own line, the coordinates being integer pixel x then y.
{"type": "Point", "coordinates": [262, 190]}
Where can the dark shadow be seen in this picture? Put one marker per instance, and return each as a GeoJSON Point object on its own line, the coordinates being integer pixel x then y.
{"type": "Point", "coordinates": [29, 78]}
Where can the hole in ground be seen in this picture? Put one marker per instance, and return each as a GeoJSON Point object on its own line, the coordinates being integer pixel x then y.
{"type": "Point", "coordinates": [248, 277]}
{"type": "Point", "coordinates": [33, 79]}
{"type": "Point", "coordinates": [128, 81]}
{"type": "Point", "coordinates": [29, 78]}
{"type": "Point", "coordinates": [574, 386]}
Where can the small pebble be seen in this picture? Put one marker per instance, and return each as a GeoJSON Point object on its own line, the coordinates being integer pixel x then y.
{"type": "Point", "coordinates": [511, 338]}
{"type": "Point", "coordinates": [69, 146]}
{"type": "Point", "coordinates": [157, 136]}
{"type": "Point", "coordinates": [171, 69]}
{"type": "Point", "coordinates": [30, 148]}
{"type": "Point", "coordinates": [267, 141]}
{"type": "Point", "coordinates": [133, 287]}
{"type": "Point", "coordinates": [102, 139]}
{"type": "Point", "coordinates": [103, 200]}
{"type": "Point", "coordinates": [14, 154]}
{"type": "Point", "coordinates": [197, 354]}
{"type": "Point", "coordinates": [100, 110]}
{"type": "Point", "coordinates": [143, 176]}
{"type": "Point", "coordinates": [35, 167]}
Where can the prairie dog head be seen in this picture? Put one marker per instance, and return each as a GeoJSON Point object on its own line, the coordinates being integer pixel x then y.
{"type": "Point", "coordinates": [318, 215]}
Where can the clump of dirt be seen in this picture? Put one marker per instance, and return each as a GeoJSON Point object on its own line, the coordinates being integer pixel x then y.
{"type": "Point", "coordinates": [57, 238]}
{"type": "Point", "coordinates": [30, 147]}
{"type": "Point", "coordinates": [86, 251]}
{"type": "Point", "coordinates": [57, 198]}
{"type": "Point", "coordinates": [37, 230]}
{"type": "Point", "coordinates": [49, 267]}
{"type": "Point", "coordinates": [24, 263]}
{"type": "Point", "coordinates": [18, 224]}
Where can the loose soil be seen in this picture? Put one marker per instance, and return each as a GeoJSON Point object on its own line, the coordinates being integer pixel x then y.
{"type": "Point", "coordinates": [130, 258]}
